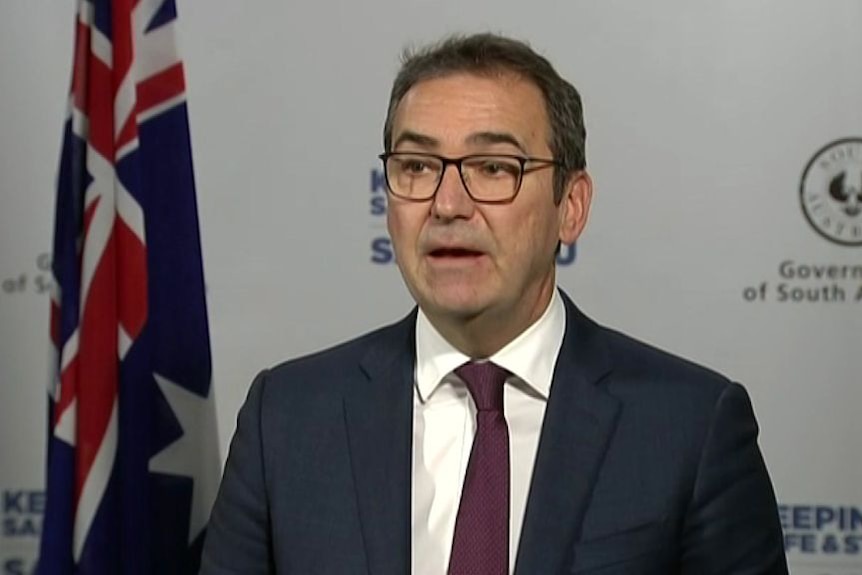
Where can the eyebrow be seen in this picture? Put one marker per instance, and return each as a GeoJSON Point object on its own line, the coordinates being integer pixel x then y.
{"type": "Point", "coordinates": [416, 138]}
{"type": "Point", "coordinates": [479, 138]}
{"type": "Point", "coordinates": [489, 138]}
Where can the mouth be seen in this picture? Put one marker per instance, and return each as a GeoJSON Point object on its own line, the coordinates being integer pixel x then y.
{"type": "Point", "coordinates": [454, 253]}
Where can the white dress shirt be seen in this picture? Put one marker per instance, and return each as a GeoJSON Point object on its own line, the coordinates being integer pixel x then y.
{"type": "Point", "coordinates": [444, 422]}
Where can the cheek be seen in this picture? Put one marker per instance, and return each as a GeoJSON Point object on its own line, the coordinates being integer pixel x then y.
{"type": "Point", "coordinates": [394, 223]}
{"type": "Point", "coordinates": [403, 226]}
{"type": "Point", "coordinates": [529, 237]}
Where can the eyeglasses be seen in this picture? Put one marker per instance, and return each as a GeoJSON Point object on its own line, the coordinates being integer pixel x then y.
{"type": "Point", "coordinates": [488, 179]}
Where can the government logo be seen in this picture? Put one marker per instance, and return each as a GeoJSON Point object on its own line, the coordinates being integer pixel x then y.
{"type": "Point", "coordinates": [831, 192]}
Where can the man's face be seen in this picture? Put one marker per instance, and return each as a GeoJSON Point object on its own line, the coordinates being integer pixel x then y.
{"type": "Point", "coordinates": [464, 260]}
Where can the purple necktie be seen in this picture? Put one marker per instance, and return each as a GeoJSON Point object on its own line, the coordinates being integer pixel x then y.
{"type": "Point", "coordinates": [481, 542]}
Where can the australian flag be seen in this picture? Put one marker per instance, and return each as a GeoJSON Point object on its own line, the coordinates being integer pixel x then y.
{"type": "Point", "coordinates": [133, 463]}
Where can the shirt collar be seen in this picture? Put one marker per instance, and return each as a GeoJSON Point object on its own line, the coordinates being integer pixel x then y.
{"type": "Point", "coordinates": [531, 356]}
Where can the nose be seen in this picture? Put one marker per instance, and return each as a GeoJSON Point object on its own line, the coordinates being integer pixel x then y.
{"type": "Point", "coordinates": [452, 200]}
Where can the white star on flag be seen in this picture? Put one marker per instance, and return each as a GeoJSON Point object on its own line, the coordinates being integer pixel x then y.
{"type": "Point", "coordinates": [194, 454]}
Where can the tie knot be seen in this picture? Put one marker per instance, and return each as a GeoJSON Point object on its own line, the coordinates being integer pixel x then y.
{"type": "Point", "coordinates": [485, 381]}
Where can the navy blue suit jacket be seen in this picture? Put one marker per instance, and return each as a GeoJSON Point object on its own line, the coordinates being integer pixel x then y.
{"type": "Point", "coordinates": [647, 464]}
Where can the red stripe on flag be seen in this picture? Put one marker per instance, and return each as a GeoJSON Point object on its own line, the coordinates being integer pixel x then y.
{"type": "Point", "coordinates": [100, 108]}
{"type": "Point", "coordinates": [97, 364]}
{"type": "Point", "coordinates": [68, 387]}
{"type": "Point", "coordinates": [132, 279]}
{"type": "Point", "coordinates": [121, 40]}
{"type": "Point", "coordinates": [161, 87]}
{"type": "Point", "coordinates": [121, 13]}
{"type": "Point", "coordinates": [79, 66]}
{"type": "Point", "coordinates": [88, 216]}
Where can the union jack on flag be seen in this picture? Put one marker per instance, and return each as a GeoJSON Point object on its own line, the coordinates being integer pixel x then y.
{"type": "Point", "coordinates": [133, 463]}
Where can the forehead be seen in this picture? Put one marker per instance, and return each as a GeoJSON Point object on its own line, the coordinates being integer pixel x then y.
{"type": "Point", "coordinates": [452, 108]}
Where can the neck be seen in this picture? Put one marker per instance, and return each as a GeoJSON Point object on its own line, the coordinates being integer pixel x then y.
{"type": "Point", "coordinates": [484, 334]}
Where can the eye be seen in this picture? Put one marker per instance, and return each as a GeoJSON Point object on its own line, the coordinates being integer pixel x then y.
{"type": "Point", "coordinates": [498, 167]}
{"type": "Point", "coordinates": [413, 165]}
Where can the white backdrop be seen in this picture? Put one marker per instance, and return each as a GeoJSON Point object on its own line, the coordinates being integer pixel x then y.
{"type": "Point", "coordinates": [701, 118]}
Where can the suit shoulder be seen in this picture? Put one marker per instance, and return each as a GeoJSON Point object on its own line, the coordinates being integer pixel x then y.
{"type": "Point", "coordinates": [635, 360]}
{"type": "Point", "coordinates": [333, 365]}
{"type": "Point", "coordinates": [636, 365]}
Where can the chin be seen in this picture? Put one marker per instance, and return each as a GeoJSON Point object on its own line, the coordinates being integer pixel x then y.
{"type": "Point", "coordinates": [455, 306]}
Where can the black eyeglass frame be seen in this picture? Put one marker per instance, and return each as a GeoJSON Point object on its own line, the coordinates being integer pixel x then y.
{"type": "Point", "coordinates": [459, 162]}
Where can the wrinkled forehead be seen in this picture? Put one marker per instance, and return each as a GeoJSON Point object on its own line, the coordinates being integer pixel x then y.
{"type": "Point", "coordinates": [453, 109]}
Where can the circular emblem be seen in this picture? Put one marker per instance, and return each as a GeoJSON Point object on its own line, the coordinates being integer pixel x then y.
{"type": "Point", "coordinates": [831, 192]}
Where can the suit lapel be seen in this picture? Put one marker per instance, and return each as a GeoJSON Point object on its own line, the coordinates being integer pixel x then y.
{"type": "Point", "coordinates": [379, 418]}
{"type": "Point", "coordinates": [579, 420]}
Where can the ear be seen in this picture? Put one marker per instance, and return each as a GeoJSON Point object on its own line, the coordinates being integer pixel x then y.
{"type": "Point", "coordinates": [575, 206]}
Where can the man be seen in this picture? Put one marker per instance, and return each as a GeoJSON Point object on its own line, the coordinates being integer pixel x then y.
{"type": "Point", "coordinates": [496, 429]}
